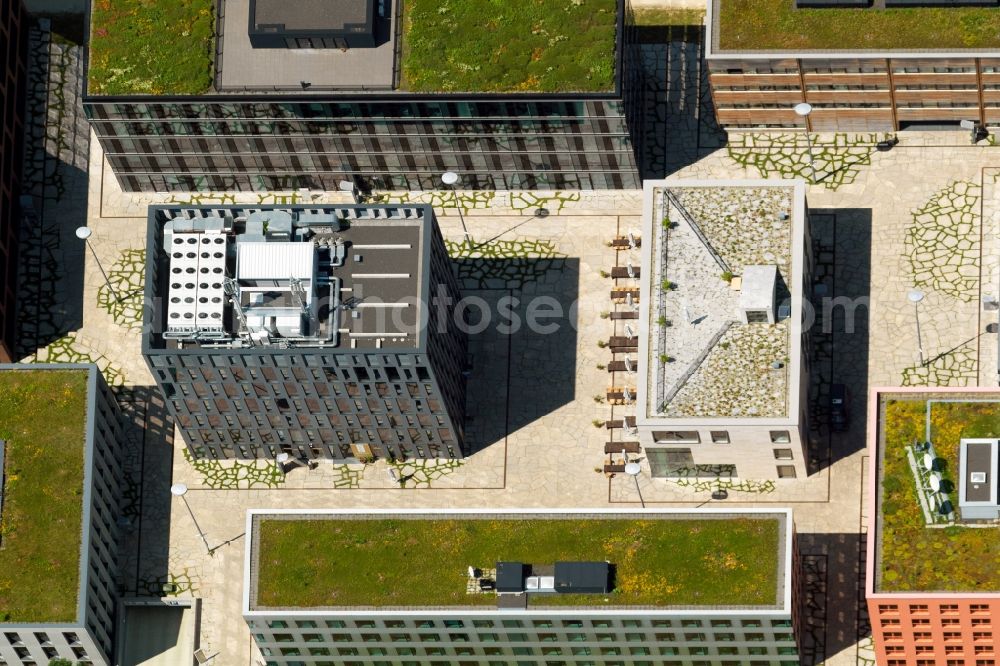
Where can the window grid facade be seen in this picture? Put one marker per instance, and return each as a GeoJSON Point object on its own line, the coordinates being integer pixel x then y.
{"type": "Point", "coordinates": [240, 144]}
{"type": "Point", "coordinates": [13, 80]}
{"type": "Point", "coordinates": [910, 629]}
{"type": "Point", "coordinates": [527, 639]}
{"type": "Point", "coordinates": [854, 94]}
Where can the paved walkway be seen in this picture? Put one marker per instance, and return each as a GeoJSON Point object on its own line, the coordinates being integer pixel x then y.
{"type": "Point", "coordinates": [542, 450]}
{"type": "Point", "coordinates": [924, 215]}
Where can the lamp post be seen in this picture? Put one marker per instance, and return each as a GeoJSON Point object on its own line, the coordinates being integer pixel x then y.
{"type": "Point", "coordinates": [180, 490]}
{"type": "Point", "coordinates": [633, 469]}
{"type": "Point", "coordinates": [915, 296]}
{"type": "Point", "coordinates": [84, 234]}
{"type": "Point", "coordinates": [802, 110]}
{"type": "Point", "coordinates": [450, 178]}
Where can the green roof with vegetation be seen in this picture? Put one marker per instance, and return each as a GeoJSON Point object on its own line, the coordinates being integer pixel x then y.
{"type": "Point", "coordinates": [776, 25]}
{"type": "Point", "coordinates": [43, 415]}
{"type": "Point", "coordinates": [138, 47]}
{"type": "Point", "coordinates": [490, 46]}
{"type": "Point", "coordinates": [317, 561]}
{"type": "Point", "coordinates": [912, 556]}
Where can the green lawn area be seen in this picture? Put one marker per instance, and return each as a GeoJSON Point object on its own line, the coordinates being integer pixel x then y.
{"type": "Point", "coordinates": [508, 46]}
{"type": "Point", "coordinates": [920, 559]}
{"type": "Point", "coordinates": [777, 25]}
{"type": "Point", "coordinates": [143, 47]}
{"type": "Point", "coordinates": [657, 16]}
{"type": "Point", "coordinates": [394, 562]}
{"type": "Point", "coordinates": [42, 417]}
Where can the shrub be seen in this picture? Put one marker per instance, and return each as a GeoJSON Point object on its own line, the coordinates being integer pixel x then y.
{"type": "Point", "coordinates": [727, 276]}
{"type": "Point", "coordinates": [666, 285]}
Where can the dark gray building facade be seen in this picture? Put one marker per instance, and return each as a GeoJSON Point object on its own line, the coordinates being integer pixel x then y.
{"type": "Point", "coordinates": [276, 119]}
{"type": "Point", "coordinates": [324, 332]}
{"type": "Point", "coordinates": [13, 87]}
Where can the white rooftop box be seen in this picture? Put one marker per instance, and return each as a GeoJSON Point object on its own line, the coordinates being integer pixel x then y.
{"type": "Point", "coordinates": [758, 294]}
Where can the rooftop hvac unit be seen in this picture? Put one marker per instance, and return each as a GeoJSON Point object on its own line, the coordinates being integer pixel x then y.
{"type": "Point", "coordinates": [197, 272]}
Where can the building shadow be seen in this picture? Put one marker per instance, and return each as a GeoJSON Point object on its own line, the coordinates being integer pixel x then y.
{"type": "Point", "coordinates": [677, 114]}
{"type": "Point", "coordinates": [831, 609]}
{"type": "Point", "coordinates": [839, 336]}
{"type": "Point", "coordinates": [54, 194]}
{"type": "Point", "coordinates": [149, 451]}
{"type": "Point", "coordinates": [522, 342]}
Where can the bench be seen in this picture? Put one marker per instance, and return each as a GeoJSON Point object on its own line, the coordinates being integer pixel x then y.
{"type": "Point", "coordinates": [616, 447]}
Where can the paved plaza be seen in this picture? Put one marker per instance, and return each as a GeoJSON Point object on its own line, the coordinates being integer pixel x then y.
{"type": "Point", "coordinates": [921, 216]}
{"type": "Point", "coordinates": [532, 397]}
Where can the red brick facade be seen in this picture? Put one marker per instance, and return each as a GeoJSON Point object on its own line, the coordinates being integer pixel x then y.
{"type": "Point", "coordinates": [939, 630]}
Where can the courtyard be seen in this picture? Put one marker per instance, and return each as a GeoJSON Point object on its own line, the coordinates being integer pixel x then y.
{"type": "Point", "coordinates": [922, 216]}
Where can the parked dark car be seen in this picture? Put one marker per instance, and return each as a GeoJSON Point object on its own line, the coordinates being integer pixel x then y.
{"type": "Point", "coordinates": [840, 408]}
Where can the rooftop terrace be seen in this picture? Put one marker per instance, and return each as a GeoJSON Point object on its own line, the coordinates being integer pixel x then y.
{"type": "Point", "coordinates": [713, 245]}
{"type": "Point", "coordinates": [43, 415]}
{"type": "Point", "coordinates": [311, 561]}
{"type": "Point", "coordinates": [946, 555]}
{"type": "Point", "coordinates": [777, 25]}
{"type": "Point", "coordinates": [475, 46]}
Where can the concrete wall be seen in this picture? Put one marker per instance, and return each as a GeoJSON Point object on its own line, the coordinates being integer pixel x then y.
{"type": "Point", "coordinates": [750, 449]}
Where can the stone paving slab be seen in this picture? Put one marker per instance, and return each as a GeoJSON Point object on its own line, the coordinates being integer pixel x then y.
{"type": "Point", "coordinates": [550, 458]}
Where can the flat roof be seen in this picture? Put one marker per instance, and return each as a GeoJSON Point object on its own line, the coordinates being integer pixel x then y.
{"type": "Point", "coordinates": [247, 69]}
{"type": "Point", "coordinates": [44, 422]}
{"type": "Point", "coordinates": [302, 560]}
{"type": "Point", "coordinates": [908, 554]}
{"type": "Point", "coordinates": [372, 299]}
{"type": "Point", "coordinates": [472, 46]}
{"type": "Point", "coordinates": [311, 14]}
{"type": "Point", "coordinates": [697, 357]}
{"type": "Point", "coordinates": [778, 26]}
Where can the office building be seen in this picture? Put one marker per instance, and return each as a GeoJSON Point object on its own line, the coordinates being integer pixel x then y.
{"type": "Point", "coordinates": [266, 95]}
{"type": "Point", "coordinates": [323, 332]}
{"type": "Point", "coordinates": [13, 84]}
{"type": "Point", "coordinates": [60, 476]}
{"type": "Point", "coordinates": [721, 382]}
{"type": "Point", "coordinates": [933, 587]}
{"type": "Point", "coordinates": [861, 68]}
{"type": "Point", "coordinates": [532, 587]}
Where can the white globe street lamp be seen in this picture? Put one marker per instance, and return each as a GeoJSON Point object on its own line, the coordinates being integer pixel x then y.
{"type": "Point", "coordinates": [84, 234]}
{"type": "Point", "coordinates": [802, 110]}
{"type": "Point", "coordinates": [180, 490]}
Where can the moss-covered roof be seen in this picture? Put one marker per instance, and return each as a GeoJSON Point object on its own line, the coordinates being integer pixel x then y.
{"type": "Point", "coordinates": [321, 561]}
{"type": "Point", "coordinates": [43, 415]}
{"type": "Point", "coordinates": [139, 47]}
{"type": "Point", "coordinates": [777, 25]}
